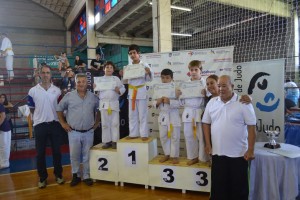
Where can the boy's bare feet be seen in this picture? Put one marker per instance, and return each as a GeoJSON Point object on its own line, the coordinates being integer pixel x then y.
{"type": "Point", "coordinates": [175, 160]}
{"type": "Point", "coordinates": [193, 161]}
{"type": "Point", "coordinates": [130, 138]}
{"type": "Point", "coordinates": [145, 138]}
{"type": "Point", "coordinates": [164, 159]}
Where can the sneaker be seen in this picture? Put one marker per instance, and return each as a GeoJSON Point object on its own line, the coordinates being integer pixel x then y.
{"type": "Point", "coordinates": [42, 184]}
{"type": "Point", "coordinates": [75, 180]}
{"type": "Point", "coordinates": [114, 145]}
{"type": "Point", "coordinates": [60, 181]}
{"type": "Point", "coordinates": [4, 166]}
{"type": "Point", "coordinates": [107, 145]}
{"type": "Point", "coordinates": [88, 181]}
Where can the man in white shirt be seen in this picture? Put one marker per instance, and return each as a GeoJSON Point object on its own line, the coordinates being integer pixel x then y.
{"type": "Point", "coordinates": [42, 99]}
{"type": "Point", "coordinates": [229, 129]}
{"type": "Point", "coordinates": [7, 52]}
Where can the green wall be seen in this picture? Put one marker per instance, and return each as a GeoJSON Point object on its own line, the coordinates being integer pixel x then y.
{"type": "Point", "coordinates": [118, 54]}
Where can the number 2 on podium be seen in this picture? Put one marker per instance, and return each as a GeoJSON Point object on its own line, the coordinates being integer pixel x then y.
{"type": "Point", "coordinates": [103, 164]}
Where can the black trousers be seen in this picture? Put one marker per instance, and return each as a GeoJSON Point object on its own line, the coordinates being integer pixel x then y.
{"type": "Point", "coordinates": [48, 131]}
{"type": "Point", "coordinates": [229, 178]}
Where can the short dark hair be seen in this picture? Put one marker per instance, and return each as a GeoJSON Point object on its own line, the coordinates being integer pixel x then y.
{"type": "Point", "coordinates": [45, 66]}
{"type": "Point", "coordinates": [167, 72]}
{"type": "Point", "coordinates": [109, 63]}
{"type": "Point", "coordinates": [195, 63]}
{"type": "Point", "coordinates": [213, 76]}
{"type": "Point", "coordinates": [134, 47]}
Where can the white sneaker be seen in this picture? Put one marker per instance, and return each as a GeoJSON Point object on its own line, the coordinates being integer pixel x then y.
{"type": "Point", "coordinates": [4, 166]}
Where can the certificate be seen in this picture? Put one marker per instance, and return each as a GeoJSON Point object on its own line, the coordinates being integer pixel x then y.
{"type": "Point", "coordinates": [134, 71]}
{"type": "Point", "coordinates": [164, 90]}
{"type": "Point", "coordinates": [191, 89]}
{"type": "Point", "coordinates": [104, 83]}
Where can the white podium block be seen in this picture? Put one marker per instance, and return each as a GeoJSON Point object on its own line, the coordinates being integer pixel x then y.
{"type": "Point", "coordinates": [133, 158]}
{"type": "Point", "coordinates": [179, 176]}
{"type": "Point", "coordinates": [104, 164]}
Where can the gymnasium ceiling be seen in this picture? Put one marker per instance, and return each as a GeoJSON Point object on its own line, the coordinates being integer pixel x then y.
{"type": "Point", "coordinates": [60, 7]}
{"type": "Point", "coordinates": [133, 18]}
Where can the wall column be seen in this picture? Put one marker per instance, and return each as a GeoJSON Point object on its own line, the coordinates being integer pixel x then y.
{"type": "Point", "coordinates": [161, 14]}
{"type": "Point", "coordinates": [90, 30]}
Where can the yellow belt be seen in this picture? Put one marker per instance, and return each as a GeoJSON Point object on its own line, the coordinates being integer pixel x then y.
{"type": "Point", "coordinates": [8, 49]}
{"type": "Point", "coordinates": [134, 93]}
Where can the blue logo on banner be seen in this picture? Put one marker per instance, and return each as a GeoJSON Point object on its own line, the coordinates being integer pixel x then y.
{"type": "Point", "coordinates": [262, 85]}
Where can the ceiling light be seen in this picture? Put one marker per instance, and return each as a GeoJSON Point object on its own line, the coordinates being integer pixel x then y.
{"type": "Point", "coordinates": [177, 7]}
{"type": "Point", "coordinates": [181, 8]}
{"type": "Point", "coordinates": [182, 34]}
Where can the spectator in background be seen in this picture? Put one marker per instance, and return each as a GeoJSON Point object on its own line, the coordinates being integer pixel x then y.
{"type": "Point", "coordinates": [69, 79]}
{"type": "Point", "coordinates": [63, 63]}
{"type": "Point", "coordinates": [292, 90]}
{"type": "Point", "coordinates": [42, 99]}
{"type": "Point", "coordinates": [5, 139]}
{"type": "Point", "coordinates": [80, 66]}
{"type": "Point", "coordinates": [7, 105]}
{"type": "Point", "coordinates": [7, 52]}
{"type": "Point", "coordinates": [97, 66]}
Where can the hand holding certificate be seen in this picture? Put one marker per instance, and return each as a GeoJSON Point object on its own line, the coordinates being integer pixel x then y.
{"type": "Point", "coordinates": [134, 71]}
{"type": "Point", "coordinates": [191, 89]}
{"type": "Point", "coordinates": [104, 83]}
{"type": "Point", "coordinates": [164, 90]}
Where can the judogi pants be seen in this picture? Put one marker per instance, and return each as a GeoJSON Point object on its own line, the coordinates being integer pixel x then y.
{"type": "Point", "coordinates": [194, 145]}
{"type": "Point", "coordinates": [110, 126]}
{"type": "Point", "coordinates": [9, 66]}
{"type": "Point", "coordinates": [5, 143]}
{"type": "Point", "coordinates": [170, 145]}
{"type": "Point", "coordinates": [138, 123]}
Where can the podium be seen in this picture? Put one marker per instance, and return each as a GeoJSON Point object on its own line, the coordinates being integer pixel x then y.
{"type": "Point", "coordinates": [136, 161]}
{"type": "Point", "coordinates": [179, 176]}
{"type": "Point", "coordinates": [104, 164]}
{"type": "Point", "coordinates": [133, 158]}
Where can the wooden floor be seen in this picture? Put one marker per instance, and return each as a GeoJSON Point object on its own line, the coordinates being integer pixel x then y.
{"type": "Point", "coordinates": [23, 185]}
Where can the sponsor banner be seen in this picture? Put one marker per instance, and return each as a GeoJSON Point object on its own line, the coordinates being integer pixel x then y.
{"type": "Point", "coordinates": [214, 61]}
{"type": "Point", "coordinates": [263, 80]}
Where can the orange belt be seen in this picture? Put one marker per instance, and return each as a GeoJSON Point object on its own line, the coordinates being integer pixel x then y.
{"type": "Point", "coordinates": [134, 93]}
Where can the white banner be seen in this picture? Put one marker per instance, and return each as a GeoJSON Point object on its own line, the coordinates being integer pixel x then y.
{"type": "Point", "coordinates": [214, 61]}
{"type": "Point", "coordinates": [263, 80]}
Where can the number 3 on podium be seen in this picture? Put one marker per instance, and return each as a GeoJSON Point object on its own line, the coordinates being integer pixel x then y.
{"type": "Point", "coordinates": [203, 178]}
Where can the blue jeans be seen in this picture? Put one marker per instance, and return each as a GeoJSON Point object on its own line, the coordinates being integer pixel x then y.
{"type": "Point", "coordinates": [43, 132]}
{"type": "Point", "coordinates": [80, 145]}
{"type": "Point", "coordinates": [66, 81]}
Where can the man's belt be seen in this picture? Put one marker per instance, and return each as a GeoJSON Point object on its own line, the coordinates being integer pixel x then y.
{"type": "Point", "coordinates": [81, 131]}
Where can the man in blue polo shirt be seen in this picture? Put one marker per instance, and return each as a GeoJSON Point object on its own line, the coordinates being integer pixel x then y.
{"type": "Point", "coordinates": [5, 139]}
{"type": "Point", "coordinates": [82, 118]}
{"type": "Point", "coordinates": [42, 100]}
